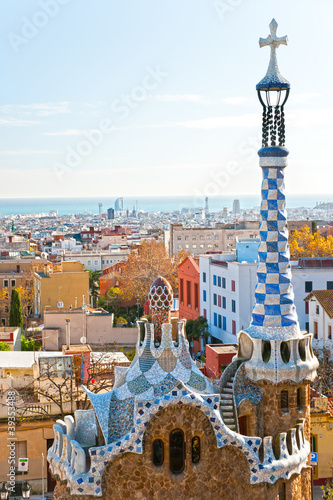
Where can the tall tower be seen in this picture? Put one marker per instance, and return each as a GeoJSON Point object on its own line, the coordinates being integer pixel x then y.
{"type": "Point", "coordinates": [280, 357]}
{"type": "Point", "coordinates": [206, 207]}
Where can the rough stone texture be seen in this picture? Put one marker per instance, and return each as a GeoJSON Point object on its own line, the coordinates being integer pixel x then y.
{"type": "Point", "coordinates": [273, 420]}
{"type": "Point", "coordinates": [220, 471]}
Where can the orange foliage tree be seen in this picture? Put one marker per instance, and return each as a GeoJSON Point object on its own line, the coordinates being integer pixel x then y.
{"type": "Point", "coordinates": [144, 265]}
{"type": "Point", "coordinates": [303, 243]}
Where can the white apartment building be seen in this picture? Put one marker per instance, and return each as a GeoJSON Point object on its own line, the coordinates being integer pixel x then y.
{"type": "Point", "coordinates": [96, 260]}
{"type": "Point", "coordinates": [227, 291]}
{"type": "Point", "coordinates": [320, 307]}
{"type": "Point", "coordinates": [199, 240]}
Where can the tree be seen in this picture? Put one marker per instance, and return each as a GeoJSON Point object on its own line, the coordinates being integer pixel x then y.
{"type": "Point", "coordinates": [4, 347]}
{"type": "Point", "coordinates": [4, 301]}
{"type": "Point", "coordinates": [313, 226]}
{"type": "Point", "coordinates": [27, 344]}
{"type": "Point", "coordinates": [114, 296]}
{"type": "Point", "coordinates": [323, 384]}
{"type": "Point", "coordinates": [303, 243]}
{"type": "Point", "coordinates": [197, 328]}
{"type": "Point", "coordinates": [15, 313]}
{"type": "Point", "coordinates": [26, 293]}
{"type": "Point", "coordinates": [94, 285]}
{"type": "Point", "coordinates": [143, 266]}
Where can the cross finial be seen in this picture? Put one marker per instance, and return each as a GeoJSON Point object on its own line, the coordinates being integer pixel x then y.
{"type": "Point", "coordinates": [272, 39]}
{"type": "Point", "coordinates": [273, 78]}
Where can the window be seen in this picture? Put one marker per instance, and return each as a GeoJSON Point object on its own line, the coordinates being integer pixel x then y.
{"type": "Point", "coordinates": [233, 306]}
{"type": "Point", "coordinates": [195, 450]}
{"type": "Point", "coordinates": [224, 302]}
{"type": "Point", "coordinates": [216, 237]}
{"type": "Point", "coordinates": [330, 332]}
{"type": "Point", "coordinates": [179, 246]}
{"type": "Point", "coordinates": [284, 401]}
{"type": "Point", "coordinates": [214, 279]}
{"type": "Point", "coordinates": [233, 327]}
{"type": "Point", "coordinates": [215, 319]}
{"type": "Point", "coordinates": [196, 296]}
{"type": "Point", "coordinates": [219, 321]}
{"type": "Point", "coordinates": [215, 299]}
{"type": "Point", "coordinates": [233, 285]}
{"type": "Point", "coordinates": [96, 262]}
{"type": "Point", "coordinates": [204, 278]}
{"type": "Point", "coordinates": [224, 323]}
{"type": "Point", "coordinates": [202, 246]}
{"type": "Point", "coordinates": [317, 309]}
{"type": "Point", "coordinates": [194, 246]}
{"type": "Point", "coordinates": [205, 313]}
{"type": "Point", "coordinates": [219, 281]}
{"type": "Point", "coordinates": [202, 237]}
{"type": "Point", "coordinates": [315, 329]}
{"type": "Point", "coordinates": [188, 293]}
{"type": "Point", "coordinates": [306, 307]}
{"type": "Point", "coordinates": [13, 283]}
{"type": "Point", "coordinates": [194, 238]}
{"type": "Point", "coordinates": [181, 290]}
{"type": "Point", "coordinates": [186, 238]}
{"type": "Point", "coordinates": [6, 309]}
{"type": "Point", "coordinates": [158, 452]}
{"type": "Point", "coordinates": [308, 286]}
{"type": "Point", "coordinates": [179, 238]}
{"type": "Point", "coordinates": [89, 262]}
{"type": "Point", "coordinates": [204, 295]}
{"type": "Point", "coordinates": [103, 261]}
{"type": "Point", "coordinates": [5, 283]}
{"type": "Point", "coordinates": [329, 285]}
{"type": "Point", "coordinates": [187, 246]}
{"type": "Point", "coordinates": [223, 283]}
{"type": "Point", "coordinates": [3, 322]}
{"type": "Point", "coordinates": [20, 451]}
{"type": "Point", "coordinates": [307, 326]}
{"type": "Point", "coordinates": [282, 491]}
{"type": "Point", "coordinates": [177, 451]}
{"type": "Point", "coordinates": [209, 246]}
{"type": "Point", "coordinates": [219, 300]}
{"type": "Point", "coordinates": [209, 237]}
{"type": "Point", "coordinates": [299, 399]}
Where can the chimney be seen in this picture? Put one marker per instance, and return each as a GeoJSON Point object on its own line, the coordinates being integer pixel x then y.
{"type": "Point", "coordinates": [68, 333]}
{"type": "Point", "coordinates": [75, 302]}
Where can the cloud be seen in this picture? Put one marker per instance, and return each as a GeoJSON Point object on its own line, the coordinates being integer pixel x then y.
{"type": "Point", "coordinates": [177, 98]}
{"type": "Point", "coordinates": [69, 132]}
{"type": "Point", "coordinates": [236, 100]}
{"type": "Point", "coordinates": [248, 120]}
{"type": "Point", "coordinates": [37, 109]}
{"type": "Point", "coordinates": [16, 122]}
{"type": "Point", "coordinates": [304, 98]}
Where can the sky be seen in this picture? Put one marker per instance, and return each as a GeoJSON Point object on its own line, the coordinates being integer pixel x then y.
{"type": "Point", "coordinates": [151, 97]}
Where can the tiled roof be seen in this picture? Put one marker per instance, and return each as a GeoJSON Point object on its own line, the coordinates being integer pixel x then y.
{"type": "Point", "coordinates": [325, 298]}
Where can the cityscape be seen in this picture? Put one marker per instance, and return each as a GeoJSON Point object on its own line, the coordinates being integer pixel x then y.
{"type": "Point", "coordinates": [166, 251]}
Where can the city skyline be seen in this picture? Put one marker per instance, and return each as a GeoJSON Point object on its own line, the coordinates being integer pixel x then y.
{"type": "Point", "coordinates": [146, 99]}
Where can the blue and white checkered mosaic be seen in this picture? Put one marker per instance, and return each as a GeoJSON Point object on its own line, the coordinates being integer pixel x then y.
{"type": "Point", "coordinates": [274, 306]}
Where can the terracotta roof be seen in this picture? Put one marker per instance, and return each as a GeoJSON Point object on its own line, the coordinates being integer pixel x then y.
{"type": "Point", "coordinates": [325, 298]}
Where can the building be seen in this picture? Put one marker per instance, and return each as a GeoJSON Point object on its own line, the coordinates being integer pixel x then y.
{"type": "Point", "coordinates": [87, 325]}
{"type": "Point", "coordinates": [320, 308]}
{"type": "Point", "coordinates": [119, 205]}
{"type": "Point", "coordinates": [166, 430]}
{"type": "Point", "coordinates": [236, 207]}
{"type": "Point", "coordinates": [110, 213]}
{"type": "Point", "coordinates": [189, 288]}
{"type": "Point", "coordinates": [227, 284]}
{"type": "Point", "coordinates": [11, 336]}
{"type": "Point", "coordinates": [218, 357]}
{"type": "Point", "coordinates": [199, 240]}
{"type": "Point", "coordinates": [322, 437]}
{"type": "Point", "coordinates": [97, 259]}
{"type": "Point", "coordinates": [66, 285]}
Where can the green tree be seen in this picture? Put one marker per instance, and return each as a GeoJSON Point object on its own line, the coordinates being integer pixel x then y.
{"type": "Point", "coordinates": [15, 313]}
{"type": "Point", "coordinates": [4, 347]}
{"type": "Point", "coordinates": [94, 285]}
{"type": "Point", "coordinates": [313, 226]}
{"type": "Point", "coordinates": [197, 328]}
{"type": "Point", "coordinates": [27, 344]}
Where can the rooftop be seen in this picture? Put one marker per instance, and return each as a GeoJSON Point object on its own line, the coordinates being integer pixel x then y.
{"type": "Point", "coordinates": [325, 298]}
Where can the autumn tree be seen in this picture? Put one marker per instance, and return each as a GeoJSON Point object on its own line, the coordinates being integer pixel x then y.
{"type": "Point", "coordinates": [143, 266]}
{"type": "Point", "coordinates": [304, 243]}
{"type": "Point", "coordinates": [26, 294]}
{"type": "Point", "coordinates": [94, 285]}
{"type": "Point", "coordinates": [4, 302]}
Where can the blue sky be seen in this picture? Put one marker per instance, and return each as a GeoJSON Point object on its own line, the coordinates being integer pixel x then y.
{"type": "Point", "coordinates": [138, 98]}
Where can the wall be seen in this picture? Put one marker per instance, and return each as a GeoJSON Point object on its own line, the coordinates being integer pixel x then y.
{"type": "Point", "coordinates": [323, 435]}
{"type": "Point", "coordinates": [188, 271]}
{"type": "Point", "coordinates": [323, 321]}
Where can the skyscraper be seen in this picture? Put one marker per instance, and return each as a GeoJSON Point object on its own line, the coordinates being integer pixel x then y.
{"type": "Point", "coordinates": [110, 213]}
{"type": "Point", "coordinates": [119, 204]}
{"type": "Point", "coordinates": [236, 207]}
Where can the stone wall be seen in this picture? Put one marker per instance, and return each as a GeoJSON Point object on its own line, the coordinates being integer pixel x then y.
{"type": "Point", "coordinates": [220, 473]}
{"type": "Point", "coordinates": [274, 420]}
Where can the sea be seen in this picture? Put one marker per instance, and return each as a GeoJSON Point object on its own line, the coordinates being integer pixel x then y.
{"type": "Point", "coordinates": [64, 206]}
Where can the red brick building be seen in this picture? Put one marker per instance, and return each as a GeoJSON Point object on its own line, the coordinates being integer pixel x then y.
{"type": "Point", "coordinates": [189, 288]}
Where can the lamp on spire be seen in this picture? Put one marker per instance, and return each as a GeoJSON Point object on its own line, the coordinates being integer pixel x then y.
{"type": "Point", "coordinates": [273, 92]}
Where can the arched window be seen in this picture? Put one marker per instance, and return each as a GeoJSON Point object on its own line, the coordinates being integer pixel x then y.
{"type": "Point", "coordinates": [299, 399]}
{"type": "Point", "coordinates": [158, 452]}
{"type": "Point", "coordinates": [196, 449]}
{"type": "Point", "coordinates": [177, 451]}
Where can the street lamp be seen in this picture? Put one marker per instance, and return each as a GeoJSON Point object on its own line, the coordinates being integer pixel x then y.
{"type": "Point", "coordinates": [4, 492]}
{"type": "Point", "coordinates": [26, 489]}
